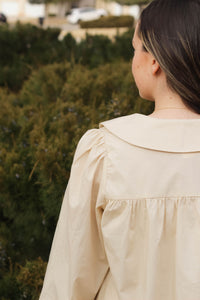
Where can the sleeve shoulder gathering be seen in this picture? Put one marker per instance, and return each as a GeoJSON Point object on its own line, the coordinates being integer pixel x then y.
{"type": "Point", "coordinates": [77, 262]}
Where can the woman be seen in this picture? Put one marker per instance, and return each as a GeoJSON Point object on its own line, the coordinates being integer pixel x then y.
{"type": "Point", "coordinates": [129, 227]}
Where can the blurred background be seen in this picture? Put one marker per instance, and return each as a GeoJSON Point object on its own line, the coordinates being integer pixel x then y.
{"type": "Point", "coordinates": [65, 66]}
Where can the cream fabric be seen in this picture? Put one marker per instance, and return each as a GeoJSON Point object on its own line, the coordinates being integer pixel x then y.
{"type": "Point", "coordinates": [129, 227]}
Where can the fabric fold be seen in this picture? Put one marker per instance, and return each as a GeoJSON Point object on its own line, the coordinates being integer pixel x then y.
{"type": "Point", "coordinates": [129, 226]}
{"type": "Point", "coordinates": [78, 263]}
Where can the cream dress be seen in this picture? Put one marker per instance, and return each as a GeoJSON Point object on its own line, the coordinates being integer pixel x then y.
{"type": "Point", "coordinates": [129, 227]}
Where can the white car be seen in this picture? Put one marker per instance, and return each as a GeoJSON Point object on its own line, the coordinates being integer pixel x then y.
{"type": "Point", "coordinates": [85, 14]}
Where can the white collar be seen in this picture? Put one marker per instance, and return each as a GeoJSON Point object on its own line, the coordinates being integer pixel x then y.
{"type": "Point", "coordinates": [171, 135]}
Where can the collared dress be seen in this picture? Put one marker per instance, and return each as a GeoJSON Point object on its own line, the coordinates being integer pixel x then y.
{"type": "Point", "coordinates": [129, 226]}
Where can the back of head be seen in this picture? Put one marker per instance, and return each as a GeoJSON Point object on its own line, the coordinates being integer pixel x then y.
{"type": "Point", "coordinates": [170, 31]}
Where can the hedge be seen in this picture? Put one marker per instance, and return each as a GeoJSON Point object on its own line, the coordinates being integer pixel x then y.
{"type": "Point", "coordinates": [39, 130]}
{"type": "Point", "coordinates": [108, 22]}
{"type": "Point", "coordinates": [25, 48]}
{"type": "Point", "coordinates": [43, 115]}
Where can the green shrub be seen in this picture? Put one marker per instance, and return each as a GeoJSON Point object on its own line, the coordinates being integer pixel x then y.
{"type": "Point", "coordinates": [96, 50]}
{"type": "Point", "coordinates": [40, 126]}
{"type": "Point", "coordinates": [123, 45]}
{"type": "Point", "coordinates": [70, 48]}
{"type": "Point", "coordinates": [35, 47]}
{"type": "Point", "coordinates": [28, 43]}
{"type": "Point", "coordinates": [131, 2]}
{"type": "Point", "coordinates": [22, 282]}
{"type": "Point", "coordinates": [9, 287]}
{"type": "Point", "coordinates": [109, 21]}
{"type": "Point", "coordinates": [24, 48]}
{"type": "Point", "coordinates": [30, 279]}
{"type": "Point", "coordinates": [52, 15]}
{"type": "Point", "coordinates": [23, 140]}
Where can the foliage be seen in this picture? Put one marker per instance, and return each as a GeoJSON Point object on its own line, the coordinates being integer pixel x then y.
{"type": "Point", "coordinates": [23, 282]}
{"type": "Point", "coordinates": [40, 126]}
{"type": "Point", "coordinates": [96, 50]}
{"type": "Point", "coordinates": [133, 2]}
{"type": "Point", "coordinates": [9, 287]}
{"type": "Point", "coordinates": [109, 21]}
{"type": "Point", "coordinates": [54, 108]}
{"type": "Point", "coordinates": [36, 47]}
{"type": "Point", "coordinates": [23, 142]}
{"type": "Point", "coordinates": [30, 278]}
{"type": "Point", "coordinates": [123, 45]}
{"type": "Point", "coordinates": [24, 48]}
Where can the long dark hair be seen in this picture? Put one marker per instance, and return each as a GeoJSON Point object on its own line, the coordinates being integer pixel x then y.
{"type": "Point", "coordinates": [170, 31]}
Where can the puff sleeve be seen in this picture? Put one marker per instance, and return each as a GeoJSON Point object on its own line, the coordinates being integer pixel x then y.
{"type": "Point", "coordinates": [77, 262]}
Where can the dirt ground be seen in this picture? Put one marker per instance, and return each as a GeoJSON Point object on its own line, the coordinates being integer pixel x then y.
{"type": "Point", "coordinates": [80, 34]}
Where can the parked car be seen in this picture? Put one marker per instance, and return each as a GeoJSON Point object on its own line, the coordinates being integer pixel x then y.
{"type": "Point", "coordinates": [3, 18]}
{"type": "Point", "coordinates": [85, 14]}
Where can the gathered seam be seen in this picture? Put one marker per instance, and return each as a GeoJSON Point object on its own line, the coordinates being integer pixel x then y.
{"type": "Point", "coordinates": [131, 198]}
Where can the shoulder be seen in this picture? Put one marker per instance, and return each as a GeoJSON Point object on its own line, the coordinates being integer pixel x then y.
{"type": "Point", "coordinates": [92, 142]}
{"type": "Point", "coordinates": [119, 122]}
{"type": "Point", "coordinates": [96, 138]}
{"type": "Point", "coordinates": [126, 128]}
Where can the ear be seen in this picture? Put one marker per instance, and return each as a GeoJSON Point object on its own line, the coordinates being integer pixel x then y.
{"type": "Point", "coordinates": [155, 67]}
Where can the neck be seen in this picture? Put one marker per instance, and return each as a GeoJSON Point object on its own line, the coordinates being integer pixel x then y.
{"type": "Point", "coordinates": [165, 97]}
{"type": "Point", "coordinates": [169, 101]}
{"type": "Point", "coordinates": [168, 104]}
{"type": "Point", "coordinates": [169, 109]}
{"type": "Point", "coordinates": [164, 108]}
{"type": "Point", "coordinates": [174, 113]}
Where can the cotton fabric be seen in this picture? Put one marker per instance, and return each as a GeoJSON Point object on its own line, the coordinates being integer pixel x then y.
{"type": "Point", "coordinates": [129, 226]}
